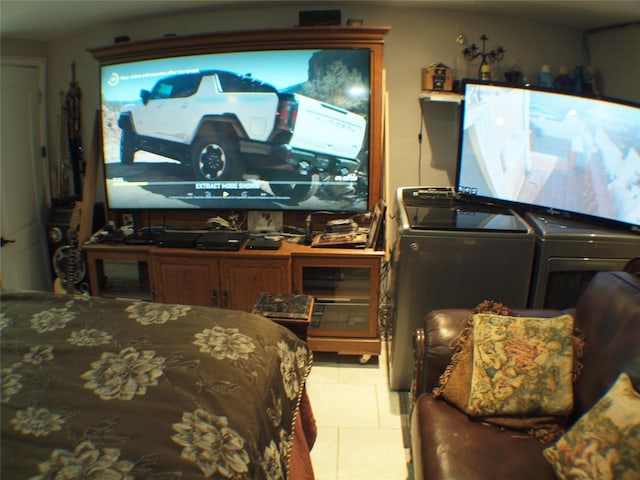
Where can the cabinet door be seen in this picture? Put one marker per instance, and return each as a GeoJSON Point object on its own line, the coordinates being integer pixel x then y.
{"type": "Point", "coordinates": [346, 293]}
{"type": "Point", "coordinates": [242, 280]}
{"type": "Point", "coordinates": [187, 280]}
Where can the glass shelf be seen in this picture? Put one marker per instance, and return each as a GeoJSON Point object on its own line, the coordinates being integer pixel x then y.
{"type": "Point", "coordinates": [337, 283]}
{"type": "Point", "coordinates": [343, 299]}
{"type": "Point", "coordinates": [340, 316]}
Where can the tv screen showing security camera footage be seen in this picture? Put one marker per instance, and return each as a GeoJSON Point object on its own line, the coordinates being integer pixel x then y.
{"type": "Point", "coordinates": [551, 151]}
{"type": "Point", "coordinates": [279, 129]}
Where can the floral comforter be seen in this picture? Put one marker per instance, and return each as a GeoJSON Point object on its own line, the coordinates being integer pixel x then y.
{"type": "Point", "coordinates": [96, 388]}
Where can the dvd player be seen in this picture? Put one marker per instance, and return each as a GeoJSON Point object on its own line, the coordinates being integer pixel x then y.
{"type": "Point", "coordinates": [178, 239]}
{"type": "Point", "coordinates": [221, 240]}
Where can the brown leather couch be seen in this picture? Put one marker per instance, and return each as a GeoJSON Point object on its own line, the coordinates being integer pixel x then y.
{"type": "Point", "coordinates": [446, 444]}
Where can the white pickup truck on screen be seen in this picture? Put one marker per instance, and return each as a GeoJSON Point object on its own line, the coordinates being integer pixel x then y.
{"type": "Point", "coordinates": [224, 125]}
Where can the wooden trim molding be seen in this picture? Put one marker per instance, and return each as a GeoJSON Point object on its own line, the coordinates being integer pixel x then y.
{"type": "Point", "coordinates": [299, 37]}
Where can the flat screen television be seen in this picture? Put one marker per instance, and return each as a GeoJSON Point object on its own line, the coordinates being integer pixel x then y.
{"type": "Point", "coordinates": [264, 129]}
{"type": "Point", "coordinates": [549, 151]}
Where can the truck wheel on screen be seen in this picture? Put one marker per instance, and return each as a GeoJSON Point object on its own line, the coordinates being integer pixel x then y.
{"type": "Point", "coordinates": [127, 146]}
{"type": "Point", "coordinates": [214, 159]}
{"type": "Point", "coordinates": [295, 186]}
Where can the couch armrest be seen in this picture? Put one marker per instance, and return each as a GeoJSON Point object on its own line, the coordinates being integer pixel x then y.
{"type": "Point", "coordinates": [417, 382]}
{"type": "Point", "coordinates": [433, 344]}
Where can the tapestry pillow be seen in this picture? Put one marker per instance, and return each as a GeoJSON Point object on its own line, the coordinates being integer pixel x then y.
{"type": "Point", "coordinates": [521, 366]}
{"type": "Point", "coordinates": [605, 441]}
{"type": "Point", "coordinates": [455, 382]}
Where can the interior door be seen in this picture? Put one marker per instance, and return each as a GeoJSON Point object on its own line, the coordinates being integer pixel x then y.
{"type": "Point", "coordinates": [24, 195]}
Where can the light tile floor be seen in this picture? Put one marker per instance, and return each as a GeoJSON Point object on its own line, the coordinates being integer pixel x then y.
{"type": "Point", "coordinates": [358, 418]}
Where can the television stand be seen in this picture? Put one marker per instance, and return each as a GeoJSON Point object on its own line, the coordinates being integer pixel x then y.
{"type": "Point", "coordinates": [344, 282]}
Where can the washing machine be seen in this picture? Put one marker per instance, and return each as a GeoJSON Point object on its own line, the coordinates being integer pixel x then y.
{"type": "Point", "coordinates": [451, 254]}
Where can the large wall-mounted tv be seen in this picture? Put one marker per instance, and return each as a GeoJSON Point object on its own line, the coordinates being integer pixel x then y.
{"type": "Point", "coordinates": [551, 151]}
{"type": "Point", "coordinates": [260, 129]}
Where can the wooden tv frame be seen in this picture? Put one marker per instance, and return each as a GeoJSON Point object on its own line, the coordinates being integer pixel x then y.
{"type": "Point", "coordinates": [371, 37]}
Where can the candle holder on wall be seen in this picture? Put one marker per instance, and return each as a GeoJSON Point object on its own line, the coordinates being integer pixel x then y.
{"type": "Point", "coordinates": [492, 56]}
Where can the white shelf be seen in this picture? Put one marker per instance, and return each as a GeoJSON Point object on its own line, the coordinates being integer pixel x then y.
{"type": "Point", "coordinates": [437, 96]}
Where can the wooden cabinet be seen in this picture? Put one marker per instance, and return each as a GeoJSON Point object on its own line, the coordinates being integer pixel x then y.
{"type": "Point", "coordinates": [346, 291]}
{"type": "Point", "coordinates": [344, 283]}
{"type": "Point", "coordinates": [217, 280]}
{"type": "Point", "coordinates": [186, 279]}
{"type": "Point", "coordinates": [242, 280]}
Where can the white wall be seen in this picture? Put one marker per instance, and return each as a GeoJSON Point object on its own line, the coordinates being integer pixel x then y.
{"type": "Point", "coordinates": [419, 37]}
{"type": "Point", "coordinates": [615, 53]}
{"type": "Point", "coordinates": [22, 48]}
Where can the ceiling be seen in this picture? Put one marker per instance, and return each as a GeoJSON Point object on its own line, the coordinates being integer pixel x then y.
{"type": "Point", "coordinates": [49, 20]}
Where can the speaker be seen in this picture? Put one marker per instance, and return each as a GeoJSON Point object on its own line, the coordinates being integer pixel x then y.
{"type": "Point", "coordinates": [312, 18]}
{"type": "Point", "coordinates": [67, 261]}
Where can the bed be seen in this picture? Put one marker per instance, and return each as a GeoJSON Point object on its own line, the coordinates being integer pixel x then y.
{"type": "Point", "coordinates": [97, 388]}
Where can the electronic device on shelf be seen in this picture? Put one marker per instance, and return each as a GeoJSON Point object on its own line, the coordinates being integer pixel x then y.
{"type": "Point", "coordinates": [266, 155]}
{"type": "Point", "coordinates": [221, 240]}
{"type": "Point", "coordinates": [178, 239]}
{"type": "Point", "coordinates": [142, 236]}
{"type": "Point", "coordinates": [551, 152]}
{"type": "Point", "coordinates": [429, 195]}
{"type": "Point", "coordinates": [264, 243]}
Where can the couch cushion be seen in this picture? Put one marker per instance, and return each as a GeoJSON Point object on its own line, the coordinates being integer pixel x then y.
{"type": "Point", "coordinates": [609, 314]}
{"type": "Point", "coordinates": [446, 444]}
{"type": "Point", "coordinates": [605, 441]}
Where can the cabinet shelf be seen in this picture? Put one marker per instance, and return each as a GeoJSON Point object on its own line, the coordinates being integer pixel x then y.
{"type": "Point", "coordinates": [340, 316]}
{"type": "Point", "coordinates": [120, 276]}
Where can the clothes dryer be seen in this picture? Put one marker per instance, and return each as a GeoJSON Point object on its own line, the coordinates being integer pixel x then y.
{"type": "Point", "coordinates": [569, 253]}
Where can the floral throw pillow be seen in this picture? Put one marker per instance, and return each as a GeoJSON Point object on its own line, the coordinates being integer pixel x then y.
{"type": "Point", "coordinates": [521, 366]}
{"type": "Point", "coordinates": [605, 441]}
{"type": "Point", "coordinates": [455, 381]}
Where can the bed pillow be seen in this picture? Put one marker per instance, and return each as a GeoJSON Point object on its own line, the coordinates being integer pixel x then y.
{"type": "Point", "coordinates": [605, 441]}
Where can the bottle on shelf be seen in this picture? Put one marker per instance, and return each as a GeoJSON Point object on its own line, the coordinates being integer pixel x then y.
{"type": "Point", "coordinates": [562, 81]}
{"type": "Point", "coordinates": [485, 71]}
{"type": "Point", "coordinates": [545, 78]}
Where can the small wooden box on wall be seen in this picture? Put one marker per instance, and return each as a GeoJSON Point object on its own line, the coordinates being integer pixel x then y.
{"type": "Point", "coordinates": [437, 77]}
